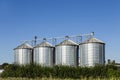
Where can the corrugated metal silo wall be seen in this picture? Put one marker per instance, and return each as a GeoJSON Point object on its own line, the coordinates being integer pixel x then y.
{"type": "Point", "coordinates": [66, 55]}
{"type": "Point", "coordinates": [44, 56]}
{"type": "Point", "coordinates": [23, 56]}
{"type": "Point", "coordinates": [92, 54]}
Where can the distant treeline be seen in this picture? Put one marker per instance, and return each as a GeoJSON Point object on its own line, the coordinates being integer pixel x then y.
{"type": "Point", "coordinates": [33, 71]}
{"type": "Point", "coordinates": [3, 65]}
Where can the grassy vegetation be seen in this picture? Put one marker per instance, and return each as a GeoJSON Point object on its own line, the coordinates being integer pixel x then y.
{"type": "Point", "coordinates": [34, 72]}
{"type": "Point", "coordinates": [112, 78]}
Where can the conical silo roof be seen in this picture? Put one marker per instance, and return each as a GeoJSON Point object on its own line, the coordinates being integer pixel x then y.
{"type": "Point", "coordinates": [92, 40]}
{"type": "Point", "coordinates": [24, 46]}
{"type": "Point", "coordinates": [43, 44]}
{"type": "Point", "coordinates": [67, 42]}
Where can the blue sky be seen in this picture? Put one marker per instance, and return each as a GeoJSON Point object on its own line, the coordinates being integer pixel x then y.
{"type": "Point", "coordinates": [23, 19]}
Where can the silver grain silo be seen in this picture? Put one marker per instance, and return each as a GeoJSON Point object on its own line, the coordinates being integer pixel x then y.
{"type": "Point", "coordinates": [23, 54]}
{"type": "Point", "coordinates": [66, 53]}
{"type": "Point", "coordinates": [92, 52]}
{"type": "Point", "coordinates": [43, 54]}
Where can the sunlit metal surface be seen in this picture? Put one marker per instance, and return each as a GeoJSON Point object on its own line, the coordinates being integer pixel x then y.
{"type": "Point", "coordinates": [23, 54]}
{"type": "Point", "coordinates": [43, 54]}
{"type": "Point", "coordinates": [66, 53]}
{"type": "Point", "coordinates": [92, 53]}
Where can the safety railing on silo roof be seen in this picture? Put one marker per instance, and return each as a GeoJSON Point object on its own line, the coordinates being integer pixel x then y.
{"type": "Point", "coordinates": [55, 40]}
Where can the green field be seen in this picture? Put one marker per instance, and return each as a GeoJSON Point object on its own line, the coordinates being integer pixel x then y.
{"type": "Point", "coordinates": [34, 72]}
{"type": "Point", "coordinates": [113, 78]}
